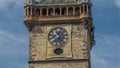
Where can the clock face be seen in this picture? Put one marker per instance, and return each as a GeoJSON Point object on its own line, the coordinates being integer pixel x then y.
{"type": "Point", "coordinates": [58, 36]}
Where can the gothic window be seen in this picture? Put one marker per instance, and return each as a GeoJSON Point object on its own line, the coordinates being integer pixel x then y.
{"type": "Point", "coordinates": [77, 11]}
{"type": "Point", "coordinates": [64, 11]}
{"type": "Point", "coordinates": [70, 11]}
{"type": "Point", "coordinates": [51, 11]}
{"type": "Point", "coordinates": [44, 11]}
{"type": "Point", "coordinates": [57, 11]}
{"type": "Point", "coordinates": [37, 12]}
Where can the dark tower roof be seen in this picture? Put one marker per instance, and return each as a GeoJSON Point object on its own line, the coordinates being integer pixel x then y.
{"type": "Point", "coordinates": [56, 1]}
{"type": "Point", "coordinates": [36, 2]}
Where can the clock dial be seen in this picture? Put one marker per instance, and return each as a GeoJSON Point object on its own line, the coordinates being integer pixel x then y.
{"type": "Point", "coordinates": [58, 36]}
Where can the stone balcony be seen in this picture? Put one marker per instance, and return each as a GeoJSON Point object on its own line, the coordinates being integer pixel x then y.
{"type": "Point", "coordinates": [55, 18]}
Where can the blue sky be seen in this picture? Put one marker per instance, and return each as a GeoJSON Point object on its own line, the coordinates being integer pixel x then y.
{"type": "Point", "coordinates": [14, 36]}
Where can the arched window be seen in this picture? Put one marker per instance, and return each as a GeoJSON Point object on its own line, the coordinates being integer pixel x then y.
{"type": "Point", "coordinates": [85, 8]}
{"type": "Point", "coordinates": [77, 11]}
{"type": "Point", "coordinates": [50, 11]}
{"type": "Point", "coordinates": [64, 11]}
{"type": "Point", "coordinates": [57, 11]}
{"type": "Point", "coordinates": [81, 9]}
{"type": "Point", "coordinates": [44, 11]}
{"type": "Point", "coordinates": [70, 11]}
{"type": "Point", "coordinates": [37, 12]}
{"type": "Point", "coordinates": [29, 11]}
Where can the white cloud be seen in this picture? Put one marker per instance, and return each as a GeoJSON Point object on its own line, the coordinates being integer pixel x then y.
{"type": "Point", "coordinates": [117, 3]}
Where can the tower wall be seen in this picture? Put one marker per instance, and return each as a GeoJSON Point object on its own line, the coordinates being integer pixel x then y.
{"type": "Point", "coordinates": [75, 18]}
{"type": "Point", "coordinates": [79, 52]}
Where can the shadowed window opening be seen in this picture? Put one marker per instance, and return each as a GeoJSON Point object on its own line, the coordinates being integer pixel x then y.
{"type": "Point", "coordinates": [51, 11]}
{"type": "Point", "coordinates": [81, 9]}
{"type": "Point", "coordinates": [57, 11]}
{"type": "Point", "coordinates": [32, 11]}
{"type": "Point", "coordinates": [37, 12]}
{"type": "Point", "coordinates": [29, 10]}
{"type": "Point", "coordinates": [44, 12]}
{"type": "Point", "coordinates": [64, 11]}
{"type": "Point", "coordinates": [85, 8]}
{"type": "Point", "coordinates": [77, 11]}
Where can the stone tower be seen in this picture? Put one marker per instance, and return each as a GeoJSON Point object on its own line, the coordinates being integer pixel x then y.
{"type": "Point", "coordinates": [61, 33]}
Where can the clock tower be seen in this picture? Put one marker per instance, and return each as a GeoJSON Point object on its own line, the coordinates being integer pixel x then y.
{"type": "Point", "coordinates": [61, 33]}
